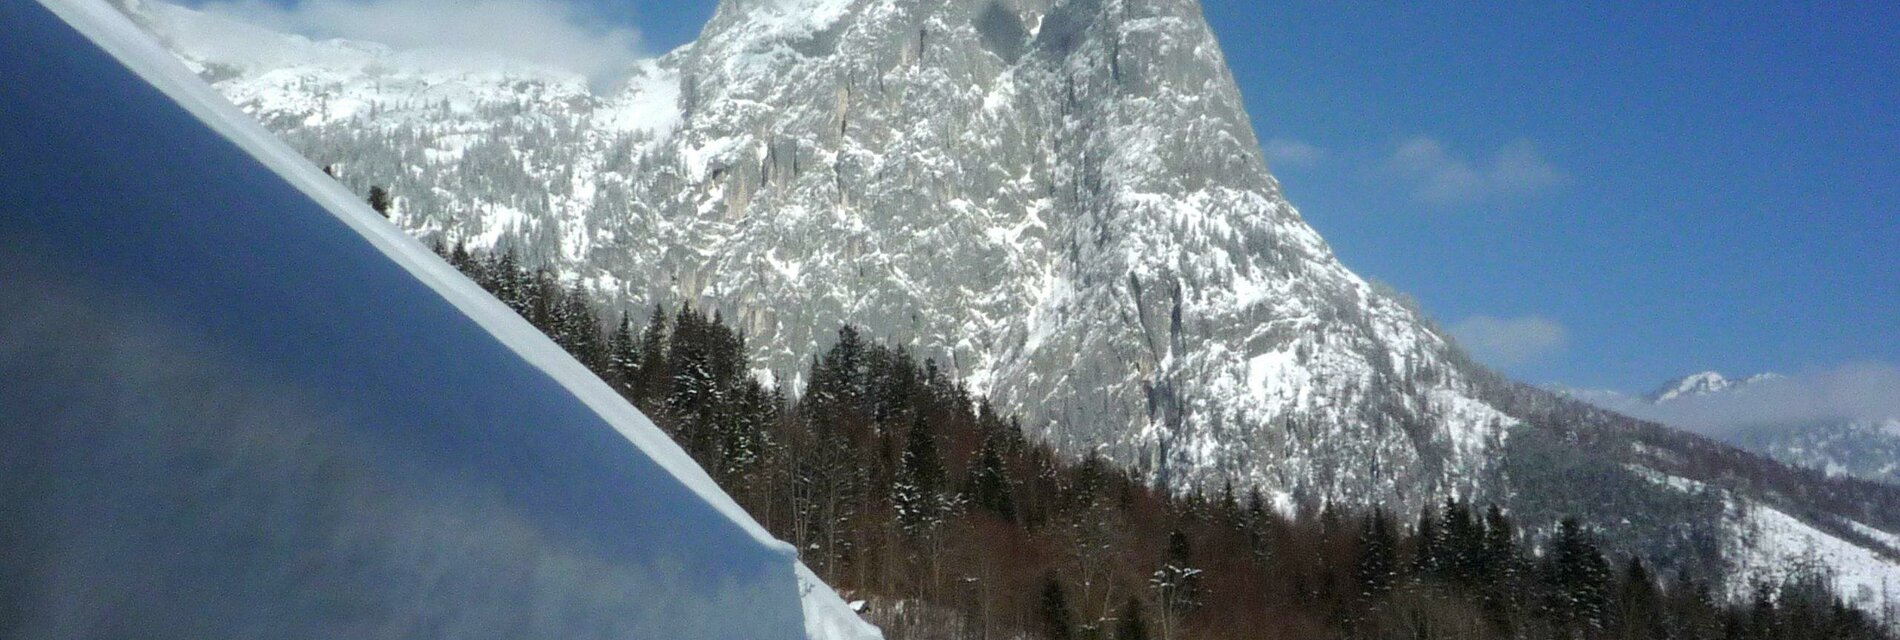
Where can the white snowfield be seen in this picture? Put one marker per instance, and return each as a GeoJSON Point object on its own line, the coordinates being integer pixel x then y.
{"type": "Point", "coordinates": [1768, 546]}
{"type": "Point", "coordinates": [1772, 543]}
{"type": "Point", "coordinates": [242, 404]}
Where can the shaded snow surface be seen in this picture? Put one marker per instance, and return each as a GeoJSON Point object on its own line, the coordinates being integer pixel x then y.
{"type": "Point", "coordinates": [237, 403]}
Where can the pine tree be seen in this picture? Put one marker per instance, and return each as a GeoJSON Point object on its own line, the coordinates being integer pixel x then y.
{"type": "Point", "coordinates": [691, 391]}
{"type": "Point", "coordinates": [462, 260]}
{"type": "Point", "coordinates": [577, 329]}
{"type": "Point", "coordinates": [1131, 626]}
{"type": "Point", "coordinates": [1227, 509]}
{"type": "Point", "coordinates": [1377, 557]}
{"type": "Point", "coordinates": [843, 373]}
{"type": "Point", "coordinates": [1500, 545]}
{"type": "Point", "coordinates": [987, 482]}
{"type": "Point", "coordinates": [1463, 544]}
{"type": "Point", "coordinates": [1498, 591]}
{"type": "Point", "coordinates": [1427, 554]}
{"type": "Point", "coordinates": [917, 492]}
{"type": "Point", "coordinates": [731, 410]}
{"type": "Point", "coordinates": [510, 282]}
{"type": "Point", "coordinates": [1760, 623]}
{"type": "Point", "coordinates": [1578, 580]}
{"type": "Point", "coordinates": [1177, 583]}
{"type": "Point", "coordinates": [380, 201]}
{"type": "Point", "coordinates": [1638, 605]}
{"type": "Point", "coordinates": [623, 355]}
{"type": "Point", "coordinates": [833, 473]}
{"type": "Point", "coordinates": [749, 438]}
{"type": "Point", "coordinates": [1256, 524]}
{"type": "Point", "coordinates": [650, 377]}
{"type": "Point", "coordinates": [543, 298]}
{"type": "Point", "coordinates": [892, 382]}
{"type": "Point", "coordinates": [1054, 608]}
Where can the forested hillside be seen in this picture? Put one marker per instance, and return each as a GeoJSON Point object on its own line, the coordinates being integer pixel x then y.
{"type": "Point", "coordinates": [910, 494]}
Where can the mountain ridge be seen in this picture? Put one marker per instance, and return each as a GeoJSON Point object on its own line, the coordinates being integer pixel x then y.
{"type": "Point", "coordinates": [1865, 446]}
{"type": "Point", "coordinates": [1704, 383]}
{"type": "Point", "coordinates": [1063, 201]}
{"type": "Point", "coordinates": [1094, 289]}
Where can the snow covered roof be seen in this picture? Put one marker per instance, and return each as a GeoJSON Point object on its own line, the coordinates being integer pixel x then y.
{"type": "Point", "coordinates": [277, 411]}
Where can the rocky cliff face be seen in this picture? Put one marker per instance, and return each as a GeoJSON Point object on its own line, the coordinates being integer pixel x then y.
{"type": "Point", "coordinates": [1060, 200]}
{"type": "Point", "coordinates": [1064, 202]}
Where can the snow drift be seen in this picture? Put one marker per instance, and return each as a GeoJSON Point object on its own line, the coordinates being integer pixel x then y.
{"type": "Point", "coordinates": [237, 403]}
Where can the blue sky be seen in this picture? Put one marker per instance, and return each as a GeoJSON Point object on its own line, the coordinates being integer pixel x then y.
{"type": "Point", "coordinates": [1722, 178]}
{"type": "Point", "coordinates": [1629, 192]}
{"type": "Point", "coordinates": [1597, 195]}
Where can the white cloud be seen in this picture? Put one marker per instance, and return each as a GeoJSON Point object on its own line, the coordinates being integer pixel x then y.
{"type": "Point", "coordinates": [548, 32]}
{"type": "Point", "coordinates": [1857, 391]}
{"type": "Point", "coordinates": [1438, 177]}
{"type": "Point", "coordinates": [1509, 342]}
{"type": "Point", "coordinates": [1282, 153]}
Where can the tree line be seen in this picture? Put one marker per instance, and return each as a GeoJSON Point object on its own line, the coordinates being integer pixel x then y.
{"type": "Point", "coordinates": [903, 490]}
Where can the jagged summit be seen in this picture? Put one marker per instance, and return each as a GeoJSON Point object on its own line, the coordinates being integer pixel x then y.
{"type": "Point", "coordinates": [1063, 202]}
{"type": "Point", "coordinates": [1694, 384]}
{"type": "Point", "coordinates": [1703, 384]}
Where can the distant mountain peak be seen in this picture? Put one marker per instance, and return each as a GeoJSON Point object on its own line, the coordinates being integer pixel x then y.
{"type": "Point", "coordinates": [1704, 383]}
{"type": "Point", "coordinates": [1694, 384]}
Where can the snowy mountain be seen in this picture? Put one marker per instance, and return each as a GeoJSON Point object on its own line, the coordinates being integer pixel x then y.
{"type": "Point", "coordinates": [1065, 204]}
{"type": "Point", "coordinates": [1703, 384]}
{"type": "Point", "coordinates": [1695, 384]}
{"type": "Point", "coordinates": [1060, 200]}
{"type": "Point", "coordinates": [207, 437]}
{"type": "Point", "coordinates": [1695, 387]}
{"type": "Point", "coordinates": [1865, 446]}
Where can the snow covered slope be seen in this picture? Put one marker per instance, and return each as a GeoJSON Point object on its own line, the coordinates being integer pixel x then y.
{"type": "Point", "coordinates": [1769, 545]}
{"type": "Point", "coordinates": [239, 403]}
{"type": "Point", "coordinates": [1063, 202]}
{"type": "Point", "coordinates": [1772, 543]}
{"type": "Point", "coordinates": [1060, 200]}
